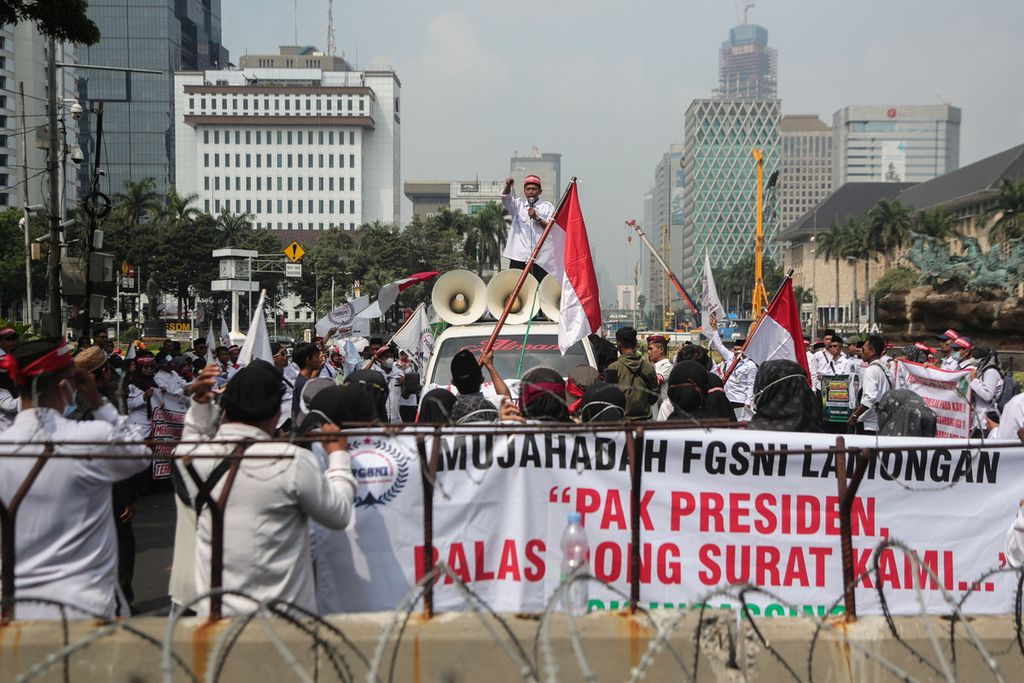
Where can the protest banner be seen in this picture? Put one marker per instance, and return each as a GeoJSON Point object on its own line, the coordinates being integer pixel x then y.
{"type": "Point", "coordinates": [717, 508]}
{"type": "Point", "coordinates": [835, 398]}
{"type": "Point", "coordinates": [168, 418]}
{"type": "Point", "coordinates": [946, 392]}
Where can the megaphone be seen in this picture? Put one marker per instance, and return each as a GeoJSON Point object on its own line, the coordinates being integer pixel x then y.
{"type": "Point", "coordinates": [550, 297]}
{"type": "Point", "coordinates": [500, 288]}
{"type": "Point", "coordinates": [459, 297]}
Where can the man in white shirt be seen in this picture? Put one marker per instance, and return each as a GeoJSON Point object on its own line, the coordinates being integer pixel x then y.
{"type": "Point", "coordinates": [739, 388]}
{"type": "Point", "coordinates": [529, 217]}
{"type": "Point", "coordinates": [1011, 422]}
{"type": "Point", "coordinates": [875, 383]}
{"type": "Point", "coordinates": [66, 543]}
{"type": "Point", "coordinates": [657, 353]}
{"type": "Point", "coordinates": [266, 522]}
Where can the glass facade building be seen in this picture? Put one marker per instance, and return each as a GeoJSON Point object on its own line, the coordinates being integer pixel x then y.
{"type": "Point", "coordinates": [747, 67]}
{"type": "Point", "coordinates": [720, 196]}
{"type": "Point", "coordinates": [138, 122]}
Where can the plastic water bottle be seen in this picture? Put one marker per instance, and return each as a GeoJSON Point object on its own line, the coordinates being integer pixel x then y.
{"type": "Point", "coordinates": [575, 554]}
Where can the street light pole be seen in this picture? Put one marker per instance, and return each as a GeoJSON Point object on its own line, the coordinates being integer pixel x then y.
{"type": "Point", "coordinates": [53, 327]}
{"type": "Point", "coordinates": [24, 207]}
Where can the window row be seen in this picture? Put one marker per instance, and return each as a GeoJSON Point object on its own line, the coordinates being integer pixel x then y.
{"type": "Point", "coordinates": [283, 137]}
{"type": "Point", "coordinates": [283, 206]}
{"type": "Point", "coordinates": [283, 160]}
{"type": "Point", "coordinates": [289, 103]}
{"type": "Point", "coordinates": [289, 183]}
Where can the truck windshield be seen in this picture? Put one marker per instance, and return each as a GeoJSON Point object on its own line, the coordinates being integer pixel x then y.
{"type": "Point", "coordinates": [541, 350]}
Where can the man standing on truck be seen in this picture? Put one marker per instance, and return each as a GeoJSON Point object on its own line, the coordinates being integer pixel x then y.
{"type": "Point", "coordinates": [529, 217]}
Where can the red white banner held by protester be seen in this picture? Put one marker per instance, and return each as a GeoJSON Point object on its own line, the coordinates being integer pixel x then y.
{"type": "Point", "coordinates": [946, 392]}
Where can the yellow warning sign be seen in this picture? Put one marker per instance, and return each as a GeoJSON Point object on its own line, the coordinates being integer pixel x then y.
{"type": "Point", "coordinates": [294, 251]}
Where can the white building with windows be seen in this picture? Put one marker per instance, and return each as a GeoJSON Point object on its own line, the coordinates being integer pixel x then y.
{"type": "Point", "coordinates": [300, 140]}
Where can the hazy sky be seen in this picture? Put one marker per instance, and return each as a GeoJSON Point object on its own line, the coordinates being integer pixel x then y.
{"type": "Point", "coordinates": [606, 84]}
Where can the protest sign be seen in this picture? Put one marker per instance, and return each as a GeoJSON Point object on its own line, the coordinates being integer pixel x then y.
{"type": "Point", "coordinates": [835, 398]}
{"type": "Point", "coordinates": [717, 508]}
{"type": "Point", "coordinates": [946, 392]}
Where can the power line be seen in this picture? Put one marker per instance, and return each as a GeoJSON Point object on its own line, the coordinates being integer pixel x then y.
{"type": "Point", "coordinates": [34, 175]}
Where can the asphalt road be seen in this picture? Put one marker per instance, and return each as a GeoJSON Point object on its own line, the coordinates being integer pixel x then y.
{"type": "Point", "coordinates": [154, 550]}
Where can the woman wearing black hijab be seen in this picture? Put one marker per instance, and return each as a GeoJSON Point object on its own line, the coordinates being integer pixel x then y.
{"type": "Point", "coordinates": [688, 387]}
{"type": "Point", "coordinates": [783, 400]}
{"type": "Point", "coordinates": [375, 387]}
{"type": "Point", "coordinates": [602, 402]}
{"type": "Point", "coordinates": [436, 407]}
{"type": "Point", "coordinates": [542, 396]}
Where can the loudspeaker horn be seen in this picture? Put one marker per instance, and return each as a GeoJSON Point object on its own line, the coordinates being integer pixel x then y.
{"type": "Point", "coordinates": [550, 297]}
{"type": "Point", "coordinates": [499, 289]}
{"type": "Point", "coordinates": [459, 297]}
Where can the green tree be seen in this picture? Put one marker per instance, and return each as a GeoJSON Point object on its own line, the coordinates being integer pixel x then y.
{"type": "Point", "coordinates": [62, 20]}
{"type": "Point", "coordinates": [430, 245]}
{"type": "Point", "coordinates": [938, 224]}
{"type": "Point", "coordinates": [485, 237]}
{"type": "Point", "coordinates": [12, 263]}
{"type": "Point", "coordinates": [887, 227]}
{"type": "Point", "coordinates": [139, 201]}
{"type": "Point", "coordinates": [898, 279]}
{"type": "Point", "coordinates": [178, 209]}
{"type": "Point", "coordinates": [1007, 212]}
{"type": "Point", "coordinates": [326, 259]}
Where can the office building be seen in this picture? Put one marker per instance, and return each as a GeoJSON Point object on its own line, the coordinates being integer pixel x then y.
{"type": "Point", "coordinates": [747, 67]}
{"type": "Point", "coordinates": [894, 143]}
{"type": "Point", "coordinates": [301, 148]}
{"type": "Point", "coordinates": [468, 196]}
{"type": "Point", "coordinates": [666, 231]}
{"type": "Point", "coordinates": [720, 195]}
{"type": "Point", "coordinates": [139, 115]}
{"type": "Point", "coordinates": [24, 139]}
{"type": "Point", "coordinates": [545, 165]}
{"type": "Point", "coordinates": [625, 297]}
{"type": "Point", "coordinates": [805, 179]}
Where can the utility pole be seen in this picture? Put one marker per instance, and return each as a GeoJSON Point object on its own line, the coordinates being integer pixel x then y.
{"type": "Point", "coordinates": [53, 317]}
{"type": "Point", "coordinates": [91, 208]}
{"type": "Point", "coordinates": [24, 206]}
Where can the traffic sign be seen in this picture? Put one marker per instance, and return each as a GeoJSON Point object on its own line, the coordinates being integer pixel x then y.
{"type": "Point", "coordinates": [124, 267]}
{"type": "Point", "coordinates": [293, 270]}
{"type": "Point", "coordinates": [294, 251]}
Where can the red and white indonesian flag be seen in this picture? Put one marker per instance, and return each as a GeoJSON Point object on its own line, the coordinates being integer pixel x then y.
{"type": "Point", "coordinates": [389, 293]}
{"type": "Point", "coordinates": [778, 334]}
{"type": "Point", "coordinates": [580, 313]}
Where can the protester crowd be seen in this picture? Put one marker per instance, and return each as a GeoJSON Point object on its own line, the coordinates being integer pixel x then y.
{"type": "Point", "coordinates": [290, 501]}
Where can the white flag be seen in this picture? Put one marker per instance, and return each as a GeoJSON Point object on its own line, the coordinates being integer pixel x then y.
{"type": "Point", "coordinates": [416, 337]}
{"type": "Point", "coordinates": [711, 311]}
{"type": "Point", "coordinates": [257, 341]}
{"type": "Point", "coordinates": [211, 344]}
{"type": "Point", "coordinates": [344, 318]}
{"type": "Point", "coordinates": [225, 334]}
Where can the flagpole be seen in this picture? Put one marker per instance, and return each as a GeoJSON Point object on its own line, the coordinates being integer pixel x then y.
{"type": "Point", "coordinates": [385, 347]}
{"type": "Point", "coordinates": [668, 271]}
{"type": "Point", "coordinates": [750, 335]}
{"type": "Point", "coordinates": [526, 271]}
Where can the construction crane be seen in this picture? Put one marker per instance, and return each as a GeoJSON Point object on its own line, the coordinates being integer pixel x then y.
{"type": "Point", "coordinates": [760, 298]}
{"type": "Point", "coordinates": [332, 48]}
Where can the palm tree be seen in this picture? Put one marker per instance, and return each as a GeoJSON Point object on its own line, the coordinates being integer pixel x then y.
{"type": "Point", "coordinates": [178, 209]}
{"type": "Point", "coordinates": [488, 233]}
{"type": "Point", "coordinates": [139, 201]}
{"type": "Point", "coordinates": [887, 228]}
{"type": "Point", "coordinates": [234, 225]}
{"type": "Point", "coordinates": [938, 224]}
{"type": "Point", "coordinates": [859, 247]}
{"type": "Point", "coordinates": [1008, 211]}
{"type": "Point", "coordinates": [833, 246]}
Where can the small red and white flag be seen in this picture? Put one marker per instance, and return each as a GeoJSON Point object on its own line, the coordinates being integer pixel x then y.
{"type": "Point", "coordinates": [580, 313]}
{"type": "Point", "coordinates": [778, 334]}
{"type": "Point", "coordinates": [389, 293]}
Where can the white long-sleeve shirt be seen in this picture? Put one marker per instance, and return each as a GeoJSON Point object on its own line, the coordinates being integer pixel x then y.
{"type": "Point", "coordinates": [266, 524]}
{"type": "Point", "coordinates": [66, 542]}
{"type": "Point", "coordinates": [525, 233]}
{"type": "Point", "coordinates": [950, 362]}
{"type": "Point", "coordinates": [985, 391]}
{"type": "Point", "coordinates": [1012, 419]}
{"type": "Point", "coordinates": [9, 407]}
{"type": "Point", "coordinates": [835, 366]}
{"type": "Point", "coordinates": [876, 383]}
{"type": "Point", "coordinates": [739, 388]}
{"type": "Point", "coordinates": [1015, 540]}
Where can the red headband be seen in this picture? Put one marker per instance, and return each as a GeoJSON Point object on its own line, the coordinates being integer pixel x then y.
{"type": "Point", "coordinates": [576, 391]}
{"type": "Point", "coordinates": [924, 347]}
{"type": "Point", "coordinates": [55, 360]}
{"type": "Point", "coordinates": [528, 392]}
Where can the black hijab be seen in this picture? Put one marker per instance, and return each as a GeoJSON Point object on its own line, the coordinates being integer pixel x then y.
{"type": "Point", "coordinates": [901, 412]}
{"type": "Point", "coordinates": [603, 402]}
{"type": "Point", "coordinates": [339, 405]}
{"type": "Point", "coordinates": [783, 400]}
{"type": "Point", "coordinates": [688, 385]}
{"type": "Point", "coordinates": [542, 396]}
{"type": "Point", "coordinates": [436, 406]}
{"type": "Point", "coordinates": [716, 403]}
{"type": "Point", "coordinates": [374, 387]}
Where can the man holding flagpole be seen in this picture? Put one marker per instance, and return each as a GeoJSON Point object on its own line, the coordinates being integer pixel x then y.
{"type": "Point", "coordinates": [529, 217]}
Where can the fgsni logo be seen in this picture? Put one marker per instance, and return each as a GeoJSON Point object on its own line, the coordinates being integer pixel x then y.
{"type": "Point", "coordinates": [381, 470]}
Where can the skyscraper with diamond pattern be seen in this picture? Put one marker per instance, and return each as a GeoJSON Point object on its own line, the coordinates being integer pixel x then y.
{"type": "Point", "coordinates": [720, 194]}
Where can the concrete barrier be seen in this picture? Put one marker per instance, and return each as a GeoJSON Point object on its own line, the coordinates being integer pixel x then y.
{"type": "Point", "coordinates": [459, 647]}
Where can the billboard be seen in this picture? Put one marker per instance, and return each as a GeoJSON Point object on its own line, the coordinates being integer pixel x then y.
{"type": "Point", "coordinates": [894, 161]}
